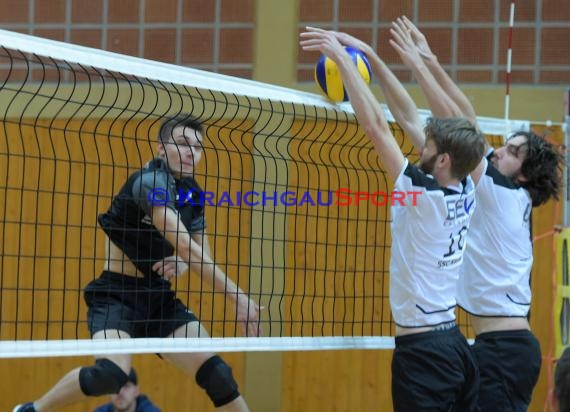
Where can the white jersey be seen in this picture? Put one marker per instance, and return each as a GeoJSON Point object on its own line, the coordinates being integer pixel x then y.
{"type": "Point", "coordinates": [428, 240]}
{"type": "Point", "coordinates": [495, 277]}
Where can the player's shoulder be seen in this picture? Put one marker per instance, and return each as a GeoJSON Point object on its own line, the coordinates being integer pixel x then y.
{"type": "Point", "coordinates": [419, 178]}
{"type": "Point", "coordinates": [496, 178]}
{"type": "Point", "coordinates": [154, 174]}
{"type": "Point", "coordinates": [154, 167]}
{"type": "Point", "coordinates": [424, 181]}
{"type": "Point", "coordinates": [499, 179]}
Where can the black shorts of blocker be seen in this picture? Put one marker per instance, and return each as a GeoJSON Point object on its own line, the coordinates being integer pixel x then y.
{"type": "Point", "coordinates": [434, 371]}
{"type": "Point", "coordinates": [509, 365]}
{"type": "Point", "coordinates": [141, 307]}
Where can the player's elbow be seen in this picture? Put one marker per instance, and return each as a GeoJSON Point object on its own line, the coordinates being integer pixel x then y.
{"type": "Point", "coordinates": [377, 131]}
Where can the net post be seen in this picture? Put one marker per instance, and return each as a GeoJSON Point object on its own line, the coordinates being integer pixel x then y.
{"type": "Point", "coordinates": [508, 74]}
{"type": "Point", "coordinates": [566, 209]}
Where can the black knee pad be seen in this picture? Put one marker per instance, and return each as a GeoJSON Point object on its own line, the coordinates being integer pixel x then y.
{"type": "Point", "coordinates": [104, 378]}
{"type": "Point", "coordinates": [215, 377]}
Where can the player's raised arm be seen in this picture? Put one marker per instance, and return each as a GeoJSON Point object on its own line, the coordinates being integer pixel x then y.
{"type": "Point", "coordinates": [399, 101]}
{"type": "Point", "coordinates": [167, 221]}
{"type": "Point", "coordinates": [368, 111]}
{"type": "Point", "coordinates": [407, 39]}
{"type": "Point", "coordinates": [439, 102]}
{"type": "Point", "coordinates": [444, 97]}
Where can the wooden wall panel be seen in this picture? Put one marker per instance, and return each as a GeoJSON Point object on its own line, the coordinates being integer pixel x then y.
{"type": "Point", "coordinates": [337, 381]}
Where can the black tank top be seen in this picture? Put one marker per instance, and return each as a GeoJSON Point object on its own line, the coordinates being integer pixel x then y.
{"type": "Point", "coordinates": [128, 223]}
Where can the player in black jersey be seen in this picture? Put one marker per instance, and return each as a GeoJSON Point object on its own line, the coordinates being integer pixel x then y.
{"type": "Point", "coordinates": [494, 286]}
{"type": "Point", "coordinates": [432, 367]}
{"type": "Point", "coordinates": [153, 236]}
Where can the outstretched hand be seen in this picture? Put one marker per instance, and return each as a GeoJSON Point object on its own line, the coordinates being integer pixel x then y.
{"type": "Point", "coordinates": [319, 39]}
{"type": "Point", "coordinates": [324, 41]}
{"type": "Point", "coordinates": [404, 44]}
{"type": "Point", "coordinates": [418, 38]}
{"type": "Point", "coordinates": [347, 40]}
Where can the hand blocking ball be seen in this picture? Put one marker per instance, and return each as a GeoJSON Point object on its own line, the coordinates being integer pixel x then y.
{"type": "Point", "coordinates": [328, 76]}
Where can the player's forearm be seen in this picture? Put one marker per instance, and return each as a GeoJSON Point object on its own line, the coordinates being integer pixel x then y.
{"type": "Point", "coordinates": [201, 263]}
{"type": "Point", "coordinates": [450, 88]}
{"type": "Point", "coordinates": [367, 110]}
{"type": "Point", "coordinates": [401, 105]}
{"type": "Point", "coordinates": [439, 101]}
{"type": "Point", "coordinates": [212, 275]}
{"type": "Point", "coordinates": [168, 222]}
{"type": "Point", "coordinates": [371, 117]}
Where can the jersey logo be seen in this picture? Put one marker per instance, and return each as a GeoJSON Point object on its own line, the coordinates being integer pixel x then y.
{"type": "Point", "coordinates": [526, 216]}
{"type": "Point", "coordinates": [457, 209]}
{"type": "Point", "coordinates": [468, 206]}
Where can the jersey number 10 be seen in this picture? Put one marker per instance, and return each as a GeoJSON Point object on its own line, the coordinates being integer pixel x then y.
{"type": "Point", "coordinates": [460, 242]}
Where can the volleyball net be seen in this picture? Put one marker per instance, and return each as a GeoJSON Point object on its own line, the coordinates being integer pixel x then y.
{"type": "Point", "coordinates": [297, 209]}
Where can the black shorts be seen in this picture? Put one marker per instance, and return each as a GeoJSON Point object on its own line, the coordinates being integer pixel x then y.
{"type": "Point", "coordinates": [509, 364]}
{"type": "Point", "coordinates": [141, 307]}
{"type": "Point", "coordinates": [434, 371]}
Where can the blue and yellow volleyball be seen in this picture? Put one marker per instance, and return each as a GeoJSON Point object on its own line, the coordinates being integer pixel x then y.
{"type": "Point", "coordinates": [328, 76]}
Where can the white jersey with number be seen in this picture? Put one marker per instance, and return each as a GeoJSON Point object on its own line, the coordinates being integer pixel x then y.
{"type": "Point", "coordinates": [495, 276]}
{"type": "Point", "coordinates": [428, 240]}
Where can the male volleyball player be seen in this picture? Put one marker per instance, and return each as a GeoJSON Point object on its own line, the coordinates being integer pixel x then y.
{"type": "Point", "coordinates": [494, 285]}
{"type": "Point", "coordinates": [150, 243]}
{"type": "Point", "coordinates": [432, 366]}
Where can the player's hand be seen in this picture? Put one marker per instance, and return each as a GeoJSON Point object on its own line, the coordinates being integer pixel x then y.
{"type": "Point", "coordinates": [324, 41]}
{"type": "Point", "coordinates": [170, 267]}
{"type": "Point", "coordinates": [247, 313]}
{"type": "Point", "coordinates": [404, 44]}
{"type": "Point", "coordinates": [347, 40]}
{"type": "Point", "coordinates": [417, 37]}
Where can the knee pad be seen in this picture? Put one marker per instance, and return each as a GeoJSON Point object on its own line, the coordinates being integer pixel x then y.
{"type": "Point", "coordinates": [215, 377]}
{"type": "Point", "coordinates": [104, 378]}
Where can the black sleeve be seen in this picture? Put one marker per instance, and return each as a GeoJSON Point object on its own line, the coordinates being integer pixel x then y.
{"type": "Point", "coordinates": [198, 224]}
{"type": "Point", "coordinates": [193, 213]}
{"type": "Point", "coordinates": [154, 188]}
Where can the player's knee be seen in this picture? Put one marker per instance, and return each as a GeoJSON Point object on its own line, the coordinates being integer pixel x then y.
{"type": "Point", "coordinates": [215, 377]}
{"type": "Point", "coordinates": [103, 378]}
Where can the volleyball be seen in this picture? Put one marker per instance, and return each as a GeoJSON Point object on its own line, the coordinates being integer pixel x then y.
{"type": "Point", "coordinates": [329, 80]}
